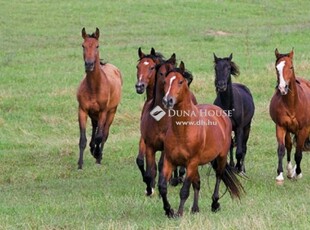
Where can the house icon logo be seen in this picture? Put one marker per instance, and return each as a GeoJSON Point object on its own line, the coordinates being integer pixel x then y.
{"type": "Point", "coordinates": [157, 113]}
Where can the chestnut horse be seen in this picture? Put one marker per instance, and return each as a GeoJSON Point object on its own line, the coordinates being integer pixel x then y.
{"type": "Point", "coordinates": [200, 136]}
{"type": "Point", "coordinates": [236, 99]}
{"type": "Point", "coordinates": [290, 109]}
{"type": "Point", "coordinates": [98, 96]}
{"type": "Point", "coordinates": [151, 140]}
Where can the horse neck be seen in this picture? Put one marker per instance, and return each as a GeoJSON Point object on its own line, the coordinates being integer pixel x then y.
{"type": "Point", "coordinates": [149, 92]}
{"type": "Point", "coordinates": [185, 105]}
{"type": "Point", "coordinates": [227, 97]}
{"type": "Point", "coordinates": [94, 77]}
{"type": "Point", "coordinates": [158, 93]}
{"type": "Point", "coordinates": [291, 98]}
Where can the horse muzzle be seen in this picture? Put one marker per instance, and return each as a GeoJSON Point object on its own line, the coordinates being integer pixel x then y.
{"type": "Point", "coordinates": [283, 90]}
{"type": "Point", "coordinates": [140, 87]}
{"type": "Point", "coordinates": [168, 102]}
{"type": "Point", "coordinates": [221, 86]}
{"type": "Point", "coordinates": [89, 66]}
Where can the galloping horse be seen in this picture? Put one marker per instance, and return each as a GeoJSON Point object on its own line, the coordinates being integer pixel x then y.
{"type": "Point", "coordinates": [290, 109]}
{"type": "Point", "coordinates": [237, 101]}
{"type": "Point", "coordinates": [200, 136]}
{"type": "Point", "coordinates": [151, 140]}
{"type": "Point", "coordinates": [98, 95]}
{"type": "Point", "coordinates": [146, 72]}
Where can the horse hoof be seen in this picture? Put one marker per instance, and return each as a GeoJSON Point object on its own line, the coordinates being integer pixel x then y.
{"type": "Point", "coordinates": [195, 210]}
{"type": "Point", "coordinates": [215, 207]}
{"type": "Point", "coordinates": [174, 182]}
{"type": "Point", "coordinates": [280, 178]}
{"type": "Point", "coordinates": [170, 213]}
{"type": "Point", "coordinates": [151, 193]}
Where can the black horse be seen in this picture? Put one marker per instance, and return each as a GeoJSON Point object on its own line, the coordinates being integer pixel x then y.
{"type": "Point", "coordinates": [237, 101]}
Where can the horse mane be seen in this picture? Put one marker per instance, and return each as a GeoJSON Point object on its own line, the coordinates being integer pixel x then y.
{"type": "Point", "coordinates": [91, 35]}
{"type": "Point", "coordinates": [281, 56]}
{"type": "Point", "coordinates": [157, 55]}
{"type": "Point", "coordinates": [234, 67]}
{"type": "Point", "coordinates": [186, 74]}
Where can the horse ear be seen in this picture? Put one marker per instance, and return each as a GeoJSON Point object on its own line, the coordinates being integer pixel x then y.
{"type": "Point", "coordinates": [97, 33]}
{"type": "Point", "coordinates": [140, 53]}
{"type": "Point", "coordinates": [172, 59]}
{"type": "Point", "coordinates": [215, 57]}
{"type": "Point", "coordinates": [230, 57]}
{"type": "Point", "coordinates": [276, 52]}
{"type": "Point", "coordinates": [84, 34]}
{"type": "Point", "coordinates": [153, 51]}
{"type": "Point", "coordinates": [182, 66]}
{"type": "Point", "coordinates": [291, 54]}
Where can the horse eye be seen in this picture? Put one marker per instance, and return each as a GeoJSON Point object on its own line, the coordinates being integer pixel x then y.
{"type": "Point", "coordinates": [153, 67]}
{"type": "Point", "coordinates": [181, 82]}
{"type": "Point", "coordinates": [97, 47]}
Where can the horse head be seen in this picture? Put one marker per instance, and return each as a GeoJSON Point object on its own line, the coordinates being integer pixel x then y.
{"type": "Point", "coordinates": [224, 68]}
{"type": "Point", "coordinates": [146, 69]}
{"type": "Point", "coordinates": [90, 49]}
{"type": "Point", "coordinates": [175, 86]}
{"type": "Point", "coordinates": [285, 71]}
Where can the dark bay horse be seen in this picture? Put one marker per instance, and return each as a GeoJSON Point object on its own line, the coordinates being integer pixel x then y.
{"type": "Point", "coordinates": [146, 72]}
{"type": "Point", "coordinates": [237, 101]}
{"type": "Point", "coordinates": [98, 96]}
{"type": "Point", "coordinates": [200, 136]}
{"type": "Point", "coordinates": [290, 111]}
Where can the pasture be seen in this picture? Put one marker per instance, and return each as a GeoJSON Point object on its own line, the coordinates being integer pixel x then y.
{"type": "Point", "coordinates": [42, 65]}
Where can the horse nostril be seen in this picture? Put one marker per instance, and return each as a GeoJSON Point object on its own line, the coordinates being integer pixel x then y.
{"type": "Point", "coordinates": [170, 101]}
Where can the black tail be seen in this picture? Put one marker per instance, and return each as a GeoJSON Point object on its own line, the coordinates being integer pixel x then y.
{"type": "Point", "coordinates": [234, 186]}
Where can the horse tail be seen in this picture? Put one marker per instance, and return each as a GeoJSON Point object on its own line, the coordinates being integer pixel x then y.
{"type": "Point", "coordinates": [234, 186]}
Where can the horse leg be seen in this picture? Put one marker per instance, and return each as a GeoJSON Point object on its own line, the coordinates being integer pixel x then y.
{"type": "Point", "coordinates": [219, 166]}
{"type": "Point", "coordinates": [246, 134]}
{"type": "Point", "coordinates": [102, 134]}
{"type": "Point", "coordinates": [92, 141]}
{"type": "Point", "coordinates": [174, 181]}
{"type": "Point", "coordinates": [164, 176]}
{"type": "Point", "coordinates": [288, 146]}
{"type": "Point", "coordinates": [192, 177]}
{"type": "Point", "coordinates": [82, 144]}
{"type": "Point", "coordinates": [280, 133]}
{"type": "Point", "coordinates": [231, 154]}
{"type": "Point", "coordinates": [300, 141]}
{"type": "Point", "coordinates": [150, 172]}
{"type": "Point", "coordinates": [140, 157]}
{"type": "Point", "coordinates": [239, 152]}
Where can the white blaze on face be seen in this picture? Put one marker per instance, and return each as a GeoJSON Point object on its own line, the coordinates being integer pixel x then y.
{"type": "Point", "coordinates": [282, 82]}
{"type": "Point", "coordinates": [146, 63]}
{"type": "Point", "coordinates": [171, 80]}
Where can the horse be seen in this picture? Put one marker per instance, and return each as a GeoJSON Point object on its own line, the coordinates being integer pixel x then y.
{"type": "Point", "coordinates": [289, 109]}
{"type": "Point", "coordinates": [98, 96]}
{"type": "Point", "coordinates": [146, 72]}
{"type": "Point", "coordinates": [201, 135]}
{"type": "Point", "coordinates": [236, 99]}
{"type": "Point", "coordinates": [151, 141]}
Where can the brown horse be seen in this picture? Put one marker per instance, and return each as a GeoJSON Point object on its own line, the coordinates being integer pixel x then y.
{"type": "Point", "coordinates": [98, 95]}
{"type": "Point", "coordinates": [199, 134]}
{"type": "Point", "coordinates": [146, 72]}
{"type": "Point", "coordinates": [290, 109]}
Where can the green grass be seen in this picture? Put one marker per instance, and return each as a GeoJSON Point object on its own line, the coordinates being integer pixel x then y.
{"type": "Point", "coordinates": [41, 66]}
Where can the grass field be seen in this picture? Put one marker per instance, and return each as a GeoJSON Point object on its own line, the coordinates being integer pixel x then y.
{"type": "Point", "coordinates": [41, 66]}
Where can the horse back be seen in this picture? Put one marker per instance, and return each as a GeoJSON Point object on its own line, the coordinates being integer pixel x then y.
{"type": "Point", "coordinates": [217, 124]}
{"type": "Point", "coordinates": [114, 80]}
